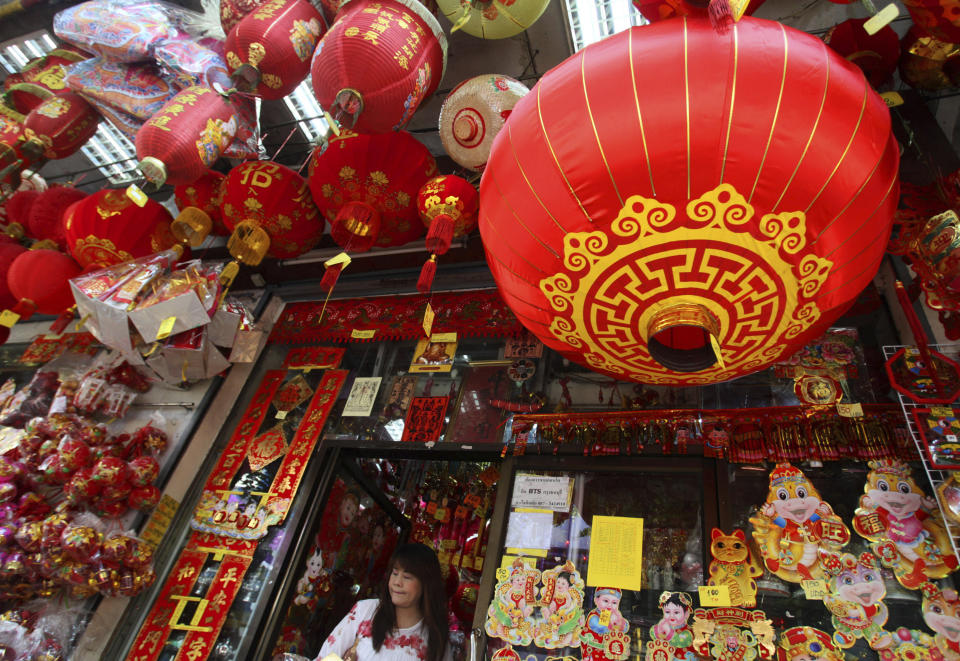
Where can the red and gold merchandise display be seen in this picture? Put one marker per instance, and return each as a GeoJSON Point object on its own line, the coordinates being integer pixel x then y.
{"type": "Point", "coordinates": [204, 193]}
{"type": "Point", "coordinates": [733, 565]}
{"type": "Point", "coordinates": [59, 126]}
{"type": "Point", "coordinates": [626, 206]}
{"type": "Point", "coordinates": [733, 634]}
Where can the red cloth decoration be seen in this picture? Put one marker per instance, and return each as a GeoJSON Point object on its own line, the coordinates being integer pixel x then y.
{"type": "Point", "coordinates": [46, 213]}
{"type": "Point", "coordinates": [268, 51]}
{"type": "Point", "coordinates": [275, 199]}
{"type": "Point", "coordinates": [468, 314]}
{"type": "Point", "coordinates": [876, 54]}
{"type": "Point", "coordinates": [204, 193]}
{"type": "Point", "coordinates": [19, 205]}
{"type": "Point", "coordinates": [624, 226]}
{"type": "Point", "coordinates": [390, 53]}
{"type": "Point", "coordinates": [449, 199]}
{"type": "Point", "coordinates": [384, 171]}
{"type": "Point", "coordinates": [108, 228]}
{"type": "Point", "coordinates": [59, 126]}
{"type": "Point", "coordinates": [939, 19]}
{"type": "Point", "coordinates": [186, 136]}
{"type": "Point", "coordinates": [658, 10]}
{"type": "Point", "coordinates": [8, 253]}
{"type": "Point", "coordinates": [41, 277]}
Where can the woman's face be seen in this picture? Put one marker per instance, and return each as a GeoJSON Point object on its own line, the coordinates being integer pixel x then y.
{"type": "Point", "coordinates": [405, 588]}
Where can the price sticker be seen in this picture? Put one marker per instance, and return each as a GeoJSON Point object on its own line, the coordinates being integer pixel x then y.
{"type": "Point", "coordinates": [850, 410]}
{"type": "Point", "coordinates": [941, 412]}
{"type": "Point", "coordinates": [881, 19]}
{"type": "Point", "coordinates": [281, 415]}
{"type": "Point", "coordinates": [892, 99]}
{"type": "Point", "coordinates": [502, 574]}
{"type": "Point", "coordinates": [428, 320]}
{"type": "Point", "coordinates": [714, 595]}
{"type": "Point", "coordinates": [717, 351]}
{"type": "Point", "coordinates": [363, 334]}
{"type": "Point", "coordinates": [604, 618]}
{"type": "Point", "coordinates": [166, 327]}
{"type": "Point", "coordinates": [443, 337]}
{"type": "Point", "coordinates": [8, 318]}
{"type": "Point", "coordinates": [137, 195]}
{"type": "Point", "coordinates": [814, 588]}
{"type": "Point", "coordinates": [340, 258]}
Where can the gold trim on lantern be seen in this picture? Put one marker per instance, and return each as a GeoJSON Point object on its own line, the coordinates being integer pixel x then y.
{"type": "Point", "coordinates": [682, 314]}
{"type": "Point", "coordinates": [153, 170]}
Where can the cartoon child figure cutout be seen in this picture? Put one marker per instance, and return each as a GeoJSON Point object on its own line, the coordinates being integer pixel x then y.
{"type": "Point", "coordinates": [561, 599]}
{"type": "Point", "coordinates": [672, 637]}
{"type": "Point", "coordinates": [941, 612]}
{"type": "Point", "coordinates": [510, 616]}
{"type": "Point", "coordinates": [604, 635]}
{"type": "Point", "coordinates": [856, 600]}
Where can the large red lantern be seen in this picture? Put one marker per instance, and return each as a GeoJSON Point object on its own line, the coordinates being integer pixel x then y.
{"type": "Point", "coordinates": [269, 210]}
{"type": "Point", "coordinates": [46, 213]}
{"type": "Point", "coordinates": [47, 72]}
{"type": "Point", "coordinates": [876, 54]}
{"type": "Point", "coordinates": [39, 280]}
{"type": "Point", "coordinates": [366, 186]}
{"type": "Point", "coordinates": [59, 126]}
{"type": "Point", "coordinates": [107, 228]}
{"type": "Point", "coordinates": [744, 205]}
{"type": "Point", "coordinates": [204, 193]}
{"type": "Point", "coordinates": [268, 51]}
{"type": "Point", "coordinates": [180, 143]}
{"type": "Point", "coordinates": [377, 64]}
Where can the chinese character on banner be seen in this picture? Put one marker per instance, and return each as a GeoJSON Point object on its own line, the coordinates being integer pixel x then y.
{"type": "Point", "coordinates": [424, 422]}
{"type": "Point", "coordinates": [524, 346]}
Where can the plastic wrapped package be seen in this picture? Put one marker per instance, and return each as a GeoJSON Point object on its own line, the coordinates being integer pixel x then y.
{"type": "Point", "coordinates": [33, 400]}
{"type": "Point", "coordinates": [190, 62]}
{"type": "Point", "coordinates": [122, 31]}
{"type": "Point", "coordinates": [136, 90]}
{"type": "Point", "coordinates": [187, 295]}
{"type": "Point", "coordinates": [229, 319]}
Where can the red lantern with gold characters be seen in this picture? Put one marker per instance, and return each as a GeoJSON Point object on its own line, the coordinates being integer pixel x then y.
{"type": "Point", "coordinates": [269, 211]}
{"type": "Point", "coordinates": [47, 72]}
{"type": "Point", "coordinates": [269, 50]}
{"type": "Point", "coordinates": [448, 205]}
{"type": "Point", "coordinates": [204, 193]}
{"type": "Point", "coordinates": [701, 233]}
{"type": "Point", "coordinates": [59, 126]}
{"type": "Point", "coordinates": [377, 64]}
{"type": "Point", "coordinates": [107, 228]}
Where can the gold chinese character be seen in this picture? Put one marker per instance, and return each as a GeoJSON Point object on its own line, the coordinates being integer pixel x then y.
{"type": "Point", "coordinates": [186, 573]}
{"type": "Point", "coordinates": [401, 60]}
{"type": "Point", "coordinates": [196, 649]}
{"type": "Point", "coordinates": [370, 36]}
{"type": "Point", "coordinates": [229, 577]}
{"type": "Point", "coordinates": [352, 31]}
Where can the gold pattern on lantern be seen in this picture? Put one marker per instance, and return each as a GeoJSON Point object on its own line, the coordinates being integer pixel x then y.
{"type": "Point", "coordinates": [255, 53]}
{"type": "Point", "coordinates": [403, 198]}
{"type": "Point", "coordinates": [53, 108]}
{"type": "Point", "coordinates": [379, 178]}
{"type": "Point", "coordinates": [347, 172]}
{"type": "Point", "coordinates": [272, 81]}
{"type": "Point", "coordinates": [94, 250]}
{"type": "Point", "coordinates": [233, 60]}
{"type": "Point", "coordinates": [252, 204]}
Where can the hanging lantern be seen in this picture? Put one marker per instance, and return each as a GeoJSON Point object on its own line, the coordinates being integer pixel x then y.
{"type": "Point", "coordinates": [107, 228]}
{"type": "Point", "coordinates": [658, 10]}
{"type": "Point", "coordinates": [939, 19]}
{"type": "Point", "coordinates": [378, 63]}
{"type": "Point", "coordinates": [935, 256]}
{"type": "Point", "coordinates": [47, 71]}
{"type": "Point", "coordinates": [39, 280]}
{"type": "Point", "coordinates": [701, 233]}
{"type": "Point", "coordinates": [59, 126]}
{"type": "Point", "coordinates": [268, 209]}
{"type": "Point", "coordinates": [18, 208]}
{"type": "Point", "coordinates": [473, 114]}
{"type": "Point", "coordinates": [268, 51]}
{"type": "Point", "coordinates": [492, 19]}
{"type": "Point", "coordinates": [927, 63]}
{"type": "Point", "coordinates": [11, 160]}
{"type": "Point", "coordinates": [366, 186]}
{"type": "Point", "coordinates": [8, 253]}
{"type": "Point", "coordinates": [186, 137]}
{"type": "Point", "coordinates": [46, 213]}
{"type": "Point", "coordinates": [876, 54]}
{"type": "Point", "coordinates": [204, 193]}
{"type": "Point", "coordinates": [448, 205]}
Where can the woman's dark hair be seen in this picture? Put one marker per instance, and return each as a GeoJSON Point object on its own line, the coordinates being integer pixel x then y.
{"type": "Point", "coordinates": [421, 561]}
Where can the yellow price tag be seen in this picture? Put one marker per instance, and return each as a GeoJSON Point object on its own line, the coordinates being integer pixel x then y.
{"type": "Point", "coordinates": [8, 318]}
{"type": "Point", "coordinates": [428, 320]}
{"type": "Point", "coordinates": [714, 595]}
{"type": "Point", "coordinates": [604, 618]}
{"type": "Point", "coordinates": [502, 574]}
{"type": "Point", "coordinates": [166, 327]}
{"type": "Point", "coordinates": [814, 589]}
{"type": "Point", "coordinates": [850, 410]}
{"type": "Point", "coordinates": [881, 19]}
{"type": "Point", "coordinates": [362, 334]}
{"type": "Point", "coordinates": [892, 99]}
{"type": "Point", "coordinates": [935, 411]}
{"type": "Point", "coordinates": [138, 196]}
{"type": "Point", "coordinates": [340, 258]}
{"type": "Point", "coordinates": [281, 415]}
{"type": "Point", "coordinates": [443, 337]}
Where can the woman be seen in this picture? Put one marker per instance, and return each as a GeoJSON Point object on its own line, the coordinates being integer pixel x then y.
{"type": "Point", "coordinates": [407, 623]}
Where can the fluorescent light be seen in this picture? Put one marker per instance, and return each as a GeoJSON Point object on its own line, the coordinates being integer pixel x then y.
{"type": "Point", "coordinates": [306, 111]}
{"type": "Point", "coordinates": [593, 20]}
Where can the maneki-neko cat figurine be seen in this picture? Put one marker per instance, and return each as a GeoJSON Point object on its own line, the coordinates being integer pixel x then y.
{"type": "Point", "coordinates": [604, 634]}
{"type": "Point", "coordinates": [671, 637]}
{"type": "Point", "coordinates": [561, 608]}
{"type": "Point", "coordinates": [904, 524]}
{"type": "Point", "coordinates": [794, 525]}
{"type": "Point", "coordinates": [807, 644]}
{"type": "Point", "coordinates": [733, 565]}
{"type": "Point", "coordinates": [510, 616]}
{"type": "Point", "coordinates": [855, 598]}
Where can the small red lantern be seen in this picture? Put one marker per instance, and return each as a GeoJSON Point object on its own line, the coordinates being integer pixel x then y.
{"type": "Point", "coordinates": [39, 280]}
{"type": "Point", "coordinates": [108, 228]}
{"type": "Point", "coordinates": [876, 54]}
{"type": "Point", "coordinates": [8, 253]}
{"type": "Point", "coordinates": [377, 64]}
{"type": "Point", "coordinates": [59, 126]}
{"type": "Point", "coordinates": [180, 143]}
{"type": "Point", "coordinates": [205, 194]}
{"type": "Point", "coordinates": [268, 51]}
{"type": "Point", "coordinates": [269, 210]}
{"type": "Point", "coordinates": [448, 205]}
{"type": "Point", "coordinates": [46, 213]}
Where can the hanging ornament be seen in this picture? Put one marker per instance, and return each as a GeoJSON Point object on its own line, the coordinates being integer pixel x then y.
{"type": "Point", "coordinates": [204, 193]}
{"type": "Point", "coordinates": [492, 19]}
{"type": "Point", "coordinates": [927, 63]}
{"type": "Point", "coordinates": [610, 243]}
{"type": "Point", "coordinates": [876, 54]}
{"type": "Point", "coordinates": [724, 10]}
{"type": "Point", "coordinates": [448, 205]}
{"type": "Point", "coordinates": [8, 253]}
{"type": "Point", "coordinates": [378, 62]}
{"type": "Point", "coordinates": [39, 280]}
{"type": "Point", "coordinates": [268, 209]}
{"type": "Point", "coordinates": [186, 137]}
{"type": "Point", "coordinates": [11, 159]}
{"type": "Point", "coordinates": [47, 72]}
{"type": "Point", "coordinates": [59, 126]}
{"type": "Point", "coordinates": [107, 228]}
{"type": "Point", "coordinates": [473, 114]}
{"type": "Point", "coordinates": [268, 51]}
{"type": "Point", "coordinates": [46, 213]}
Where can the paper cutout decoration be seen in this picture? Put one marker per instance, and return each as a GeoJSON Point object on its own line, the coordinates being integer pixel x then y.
{"type": "Point", "coordinates": [904, 524]}
{"type": "Point", "coordinates": [424, 422]}
{"type": "Point", "coordinates": [267, 448]}
{"type": "Point", "coordinates": [733, 634]}
{"type": "Point", "coordinates": [856, 600]}
{"type": "Point", "coordinates": [817, 390]}
{"type": "Point", "coordinates": [671, 637]}
{"type": "Point", "coordinates": [604, 634]}
{"type": "Point", "coordinates": [809, 643]}
{"type": "Point", "coordinates": [941, 612]}
{"type": "Point", "coordinates": [291, 395]}
{"type": "Point", "coordinates": [510, 616]}
{"type": "Point", "coordinates": [313, 358]}
{"type": "Point", "coordinates": [432, 356]}
{"type": "Point", "coordinates": [733, 565]}
{"type": "Point", "coordinates": [561, 608]}
{"type": "Point", "coordinates": [940, 429]}
{"type": "Point", "coordinates": [794, 525]}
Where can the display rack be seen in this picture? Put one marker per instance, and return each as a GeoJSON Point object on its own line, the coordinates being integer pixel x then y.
{"type": "Point", "coordinates": [935, 476]}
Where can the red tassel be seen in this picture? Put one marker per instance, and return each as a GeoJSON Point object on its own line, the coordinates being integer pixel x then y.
{"type": "Point", "coordinates": [720, 15]}
{"type": "Point", "coordinates": [425, 281]}
{"type": "Point", "coordinates": [330, 277]}
{"type": "Point", "coordinates": [440, 234]}
{"type": "Point", "coordinates": [62, 321]}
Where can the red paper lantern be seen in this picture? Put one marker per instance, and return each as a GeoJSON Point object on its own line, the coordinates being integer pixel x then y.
{"type": "Point", "coordinates": [8, 253]}
{"type": "Point", "coordinates": [380, 174]}
{"type": "Point", "coordinates": [939, 19]}
{"type": "Point", "coordinates": [46, 213]}
{"type": "Point", "coordinates": [876, 54]}
{"type": "Point", "coordinates": [750, 199]}
{"type": "Point", "coordinates": [658, 10]}
{"type": "Point", "coordinates": [186, 136]}
{"type": "Point", "coordinates": [39, 279]}
{"type": "Point", "coordinates": [377, 64]}
{"type": "Point", "coordinates": [59, 126]}
{"type": "Point", "coordinates": [108, 228]}
{"type": "Point", "coordinates": [47, 72]}
{"type": "Point", "coordinates": [204, 194]}
{"type": "Point", "coordinates": [448, 204]}
{"type": "Point", "coordinates": [268, 51]}
{"type": "Point", "coordinates": [269, 210]}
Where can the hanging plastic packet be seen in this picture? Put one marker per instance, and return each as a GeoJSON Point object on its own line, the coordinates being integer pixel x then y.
{"type": "Point", "coordinates": [189, 61]}
{"type": "Point", "coordinates": [121, 31]}
{"type": "Point", "coordinates": [137, 90]}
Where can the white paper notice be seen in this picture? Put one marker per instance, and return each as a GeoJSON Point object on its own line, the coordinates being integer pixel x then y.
{"type": "Point", "coordinates": [362, 396]}
{"type": "Point", "coordinates": [529, 530]}
{"type": "Point", "coordinates": [541, 492]}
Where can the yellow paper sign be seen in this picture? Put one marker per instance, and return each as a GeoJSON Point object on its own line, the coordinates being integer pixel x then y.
{"type": "Point", "coordinates": [892, 99]}
{"type": "Point", "coordinates": [138, 196]}
{"type": "Point", "coordinates": [166, 327]}
{"type": "Point", "coordinates": [160, 520]}
{"type": "Point", "coordinates": [814, 589]}
{"type": "Point", "coordinates": [428, 320]}
{"type": "Point", "coordinates": [502, 574]}
{"type": "Point", "coordinates": [443, 337]}
{"type": "Point", "coordinates": [8, 318]}
{"type": "Point", "coordinates": [363, 334]}
{"type": "Point", "coordinates": [850, 410]}
{"type": "Point", "coordinates": [540, 553]}
{"type": "Point", "coordinates": [616, 552]}
{"type": "Point", "coordinates": [881, 19]}
{"type": "Point", "coordinates": [478, 563]}
{"type": "Point", "coordinates": [714, 595]}
{"type": "Point", "coordinates": [340, 258]}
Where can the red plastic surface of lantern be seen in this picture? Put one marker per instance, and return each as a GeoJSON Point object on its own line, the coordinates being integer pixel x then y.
{"type": "Point", "coordinates": [108, 228]}
{"type": "Point", "coordinates": [384, 171]}
{"type": "Point", "coordinates": [749, 200]}
{"type": "Point", "coordinates": [39, 278]}
{"type": "Point", "coordinates": [204, 193]}
{"type": "Point", "coordinates": [8, 253]}
{"type": "Point", "coordinates": [59, 126]}
{"type": "Point", "coordinates": [378, 62]}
